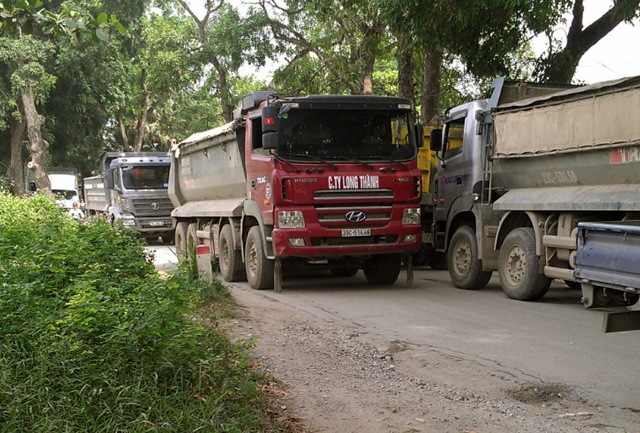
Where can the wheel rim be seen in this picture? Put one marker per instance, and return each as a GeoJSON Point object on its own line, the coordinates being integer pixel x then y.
{"type": "Point", "coordinates": [462, 258]}
{"type": "Point", "coordinates": [252, 259]}
{"type": "Point", "coordinates": [516, 265]}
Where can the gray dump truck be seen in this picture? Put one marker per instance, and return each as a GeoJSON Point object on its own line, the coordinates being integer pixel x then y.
{"type": "Point", "coordinates": [132, 189]}
{"type": "Point", "coordinates": [529, 172]}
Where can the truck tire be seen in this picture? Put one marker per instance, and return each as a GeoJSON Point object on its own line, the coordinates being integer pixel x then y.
{"type": "Point", "coordinates": [465, 268]}
{"type": "Point", "coordinates": [230, 258]}
{"type": "Point", "coordinates": [192, 239]}
{"type": "Point", "coordinates": [181, 239]}
{"type": "Point", "coordinates": [382, 269]}
{"type": "Point", "coordinates": [518, 267]}
{"type": "Point", "coordinates": [258, 267]}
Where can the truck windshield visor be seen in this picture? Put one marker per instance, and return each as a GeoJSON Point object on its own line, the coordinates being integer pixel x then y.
{"type": "Point", "coordinates": [312, 135]}
{"type": "Point", "coordinates": [146, 177]}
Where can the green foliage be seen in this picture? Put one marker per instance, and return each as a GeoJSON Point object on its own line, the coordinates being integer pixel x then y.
{"type": "Point", "coordinates": [94, 340]}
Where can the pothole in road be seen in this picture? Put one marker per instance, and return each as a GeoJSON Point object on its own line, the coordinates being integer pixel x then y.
{"type": "Point", "coordinates": [542, 394]}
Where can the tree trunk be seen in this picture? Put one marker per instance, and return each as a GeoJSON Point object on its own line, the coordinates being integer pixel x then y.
{"type": "Point", "coordinates": [124, 137]}
{"type": "Point", "coordinates": [37, 145]}
{"type": "Point", "coordinates": [405, 66]}
{"type": "Point", "coordinates": [431, 73]}
{"type": "Point", "coordinates": [367, 75]}
{"type": "Point", "coordinates": [142, 122]}
{"type": "Point", "coordinates": [16, 168]}
{"type": "Point", "coordinates": [561, 67]}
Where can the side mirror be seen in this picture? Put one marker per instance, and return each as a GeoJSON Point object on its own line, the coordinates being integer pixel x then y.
{"type": "Point", "coordinates": [270, 118]}
{"type": "Point", "coordinates": [108, 182]}
{"type": "Point", "coordinates": [419, 135]}
{"type": "Point", "coordinates": [270, 140]}
{"type": "Point", "coordinates": [435, 140]}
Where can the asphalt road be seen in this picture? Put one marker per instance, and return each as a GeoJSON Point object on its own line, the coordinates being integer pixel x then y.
{"type": "Point", "coordinates": [554, 340]}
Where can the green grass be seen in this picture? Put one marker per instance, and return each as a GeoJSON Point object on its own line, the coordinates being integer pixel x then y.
{"type": "Point", "coordinates": [93, 340]}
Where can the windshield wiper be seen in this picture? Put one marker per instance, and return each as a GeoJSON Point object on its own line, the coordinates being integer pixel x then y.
{"type": "Point", "coordinates": [278, 158]}
{"type": "Point", "coordinates": [312, 157]}
{"type": "Point", "coordinates": [354, 160]}
{"type": "Point", "coordinates": [386, 158]}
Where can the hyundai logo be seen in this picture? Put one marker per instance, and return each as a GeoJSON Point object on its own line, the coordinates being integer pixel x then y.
{"type": "Point", "coordinates": [155, 205]}
{"type": "Point", "coordinates": [355, 216]}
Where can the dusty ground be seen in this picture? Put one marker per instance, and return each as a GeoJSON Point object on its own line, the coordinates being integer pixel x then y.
{"type": "Point", "coordinates": [337, 378]}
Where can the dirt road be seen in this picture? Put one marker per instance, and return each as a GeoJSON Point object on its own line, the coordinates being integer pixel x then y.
{"type": "Point", "coordinates": [429, 358]}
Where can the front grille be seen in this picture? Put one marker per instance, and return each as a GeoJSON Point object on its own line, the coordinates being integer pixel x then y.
{"type": "Point", "coordinates": [335, 216]}
{"type": "Point", "coordinates": [367, 240]}
{"type": "Point", "coordinates": [145, 206]}
{"type": "Point", "coordinates": [353, 194]}
{"type": "Point", "coordinates": [332, 207]}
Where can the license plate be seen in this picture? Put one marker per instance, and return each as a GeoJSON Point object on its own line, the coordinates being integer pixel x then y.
{"type": "Point", "coordinates": [351, 233]}
{"type": "Point", "coordinates": [156, 223]}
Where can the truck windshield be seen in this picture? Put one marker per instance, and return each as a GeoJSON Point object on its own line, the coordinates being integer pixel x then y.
{"type": "Point", "coordinates": [343, 135]}
{"type": "Point", "coordinates": [146, 177]}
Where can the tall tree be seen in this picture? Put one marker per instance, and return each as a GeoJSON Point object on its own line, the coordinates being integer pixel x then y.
{"type": "Point", "coordinates": [28, 37]}
{"type": "Point", "coordinates": [560, 63]}
{"type": "Point", "coordinates": [341, 38]}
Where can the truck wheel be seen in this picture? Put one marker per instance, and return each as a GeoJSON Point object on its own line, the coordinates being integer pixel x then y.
{"type": "Point", "coordinates": [192, 239]}
{"type": "Point", "coordinates": [181, 239]}
{"type": "Point", "coordinates": [344, 268]}
{"type": "Point", "coordinates": [230, 258]}
{"type": "Point", "coordinates": [258, 267]}
{"type": "Point", "coordinates": [518, 267]}
{"type": "Point", "coordinates": [382, 269]}
{"type": "Point", "coordinates": [465, 269]}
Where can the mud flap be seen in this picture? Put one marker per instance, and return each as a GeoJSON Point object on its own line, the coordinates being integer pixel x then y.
{"type": "Point", "coordinates": [617, 321]}
{"type": "Point", "coordinates": [277, 276]}
{"type": "Point", "coordinates": [409, 269]}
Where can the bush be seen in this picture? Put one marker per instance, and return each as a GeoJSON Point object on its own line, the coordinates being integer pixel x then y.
{"type": "Point", "coordinates": [94, 340]}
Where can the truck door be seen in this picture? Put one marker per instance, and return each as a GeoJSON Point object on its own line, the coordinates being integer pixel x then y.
{"type": "Point", "coordinates": [259, 169]}
{"type": "Point", "coordinates": [454, 172]}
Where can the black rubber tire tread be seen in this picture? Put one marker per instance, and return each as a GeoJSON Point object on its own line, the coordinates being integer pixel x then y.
{"type": "Point", "coordinates": [258, 267]}
{"type": "Point", "coordinates": [230, 260]}
{"type": "Point", "coordinates": [180, 237]}
{"type": "Point", "coordinates": [470, 276]}
{"type": "Point", "coordinates": [383, 269]}
{"type": "Point", "coordinates": [520, 245]}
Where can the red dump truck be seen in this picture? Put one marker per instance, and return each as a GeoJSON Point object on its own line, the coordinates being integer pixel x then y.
{"type": "Point", "coordinates": [315, 180]}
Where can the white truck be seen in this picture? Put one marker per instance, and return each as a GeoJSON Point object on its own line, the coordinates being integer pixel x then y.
{"type": "Point", "coordinates": [64, 185]}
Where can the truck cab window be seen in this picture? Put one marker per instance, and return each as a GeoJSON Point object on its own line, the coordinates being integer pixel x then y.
{"type": "Point", "coordinates": [145, 177]}
{"type": "Point", "coordinates": [346, 134]}
{"type": "Point", "coordinates": [454, 134]}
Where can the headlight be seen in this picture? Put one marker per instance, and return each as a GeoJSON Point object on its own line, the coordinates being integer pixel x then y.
{"type": "Point", "coordinates": [291, 219]}
{"type": "Point", "coordinates": [411, 216]}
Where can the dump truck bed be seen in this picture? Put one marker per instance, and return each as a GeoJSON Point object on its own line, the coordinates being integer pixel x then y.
{"type": "Point", "coordinates": [579, 148]}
